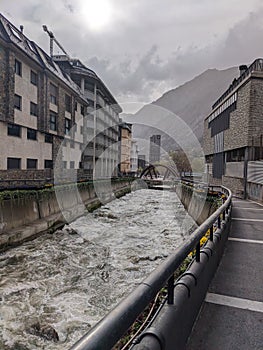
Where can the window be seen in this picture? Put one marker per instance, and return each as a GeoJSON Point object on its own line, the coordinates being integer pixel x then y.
{"type": "Point", "coordinates": [76, 106]}
{"type": "Point", "coordinates": [48, 164]}
{"type": "Point", "coordinates": [18, 68]}
{"type": "Point", "coordinates": [31, 163]}
{"type": "Point", "coordinates": [13, 130]}
{"type": "Point", "coordinates": [68, 103]}
{"type": "Point", "coordinates": [18, 102]}
{"type": "Point", "coordinates": [53, 94]}
{"type": "Point", "coordinates": [53, 121]}
{"type": "Point", "coordinates": [64, 164]}
{"type": "Point", "coordinates": [235, 155]}
{"type": "Point", "coordinates": [67, 126]}
{"type": "Point", "coordinates": [81, 130]}
{"type": "Point", "coordinates": [15, 31]}
{"type": "Point", "coordinates": [72, 164]}
{"type": "Point", "coordinates": [33, 109]}
{"type": "Point", "coordinates": [89, 86]}
{"type": "Point", "coordinates": [80, 165]}
{"type": "Point", "coordinates": [31, 134]}
{"type": "Point", "coordinates": [33, 78]}
{"type": "Point", "coordinates": [48, 138]}
{"type": "Point", "coordinates": [82, 110]}
{"type": "Point", "coordinates": [13, 163]}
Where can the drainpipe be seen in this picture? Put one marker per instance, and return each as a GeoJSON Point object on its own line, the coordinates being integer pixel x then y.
{"type": "Point", "coordinates": [95, 130]}
{"type": "Point", "coordinates": [245, 173]}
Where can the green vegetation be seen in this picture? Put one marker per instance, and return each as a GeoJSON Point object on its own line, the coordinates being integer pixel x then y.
{"type": "Point", "coordinates": [50, 189]}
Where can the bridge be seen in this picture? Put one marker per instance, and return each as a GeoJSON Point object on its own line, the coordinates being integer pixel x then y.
{"type": "Point", "coordinates": [160, 176]}
{"type": "Point", "coordinates": [197, 313]}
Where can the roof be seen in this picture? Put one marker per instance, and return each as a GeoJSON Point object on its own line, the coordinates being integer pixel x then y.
{"type": "Point", "coordinates": [78, 68]}
{"type": "Point", "coordinates": [10, 34]}
{"type": "Point", "coordinates": [257, 65]}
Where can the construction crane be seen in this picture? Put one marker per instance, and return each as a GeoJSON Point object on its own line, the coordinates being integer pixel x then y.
{"type": "Point", "coordinates": [52, 40]}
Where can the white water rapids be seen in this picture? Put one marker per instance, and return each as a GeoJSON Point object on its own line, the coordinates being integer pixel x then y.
{"type": "Point", "coordinates": [70, 281]}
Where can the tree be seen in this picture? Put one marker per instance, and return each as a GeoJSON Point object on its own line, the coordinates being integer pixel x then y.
{"type": "Point", "coordinates": [181, 161]}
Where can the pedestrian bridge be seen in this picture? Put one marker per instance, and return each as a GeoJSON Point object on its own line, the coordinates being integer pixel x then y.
{"type": "Point", "coordinates": [197, 313]}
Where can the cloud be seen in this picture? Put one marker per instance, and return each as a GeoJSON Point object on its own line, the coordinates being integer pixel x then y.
{"type": "Point", "coordinates": [149, 46]}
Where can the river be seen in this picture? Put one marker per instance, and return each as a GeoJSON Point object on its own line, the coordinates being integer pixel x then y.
{"type": "Point", "coordinates": [70, 279]}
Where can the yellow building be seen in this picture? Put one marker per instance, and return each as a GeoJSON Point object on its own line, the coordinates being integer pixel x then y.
{"type": "Point", "coordinates": [125, 147]}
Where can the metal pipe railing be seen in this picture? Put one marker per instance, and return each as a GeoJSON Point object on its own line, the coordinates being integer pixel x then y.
{"type": "Point", "coordinates": [111, 328]}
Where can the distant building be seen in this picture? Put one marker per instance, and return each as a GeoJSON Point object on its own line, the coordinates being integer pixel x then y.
{"type": "Point", "coordinates": [155, 148]}
{"type": "Point", "coordinates": [233, 135]}
{"type": "Point", "coordinates": [134, 157]}
{"type": "Point", "coordinates": [141, 161]}
{"type": "Point", "coordinates": [125, 136]}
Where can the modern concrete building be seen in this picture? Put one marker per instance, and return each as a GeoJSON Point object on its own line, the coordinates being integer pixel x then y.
{"type": "Point", "coordinates": [102, 121]}
{"type": "Point", "coordinates": [45, 121]}
{"type": "Point", "coordinates": [233, 134]}
{"type": "Point", "coordinates": [155, 149]}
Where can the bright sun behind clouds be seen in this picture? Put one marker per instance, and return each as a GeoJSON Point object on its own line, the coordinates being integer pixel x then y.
{"type": "Point", "coordinates": [96, 13]}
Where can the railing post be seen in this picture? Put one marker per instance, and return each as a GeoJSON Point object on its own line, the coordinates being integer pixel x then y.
{"type": "Point", "coordinates": [211, 231]}
{"type": "Point", "coordinates": [170, 290]}
{"type": "Point", "coordinates": [197, 254]}
{"type": "Point", "coordinates": [219, 222]}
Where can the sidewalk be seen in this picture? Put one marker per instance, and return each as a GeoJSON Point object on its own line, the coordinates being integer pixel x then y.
{"type": "Point", "coordinates": [232, 314]}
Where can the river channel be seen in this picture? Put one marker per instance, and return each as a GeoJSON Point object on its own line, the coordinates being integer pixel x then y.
{"type": "Point", "coordinates": [70, 279]}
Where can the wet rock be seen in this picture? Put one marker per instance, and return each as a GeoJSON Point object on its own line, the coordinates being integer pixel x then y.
{"type": "Point", "coordinates": [12, 260]}
{"type": "Point", "coordinates": [136, 260]}
{"type": "Point", "coordinates": [69, 230]}
{"type": "Point", "coordinates": [105, 214]}
{"type": "Point", "coordinates": [18, 346]}
{"type": "Point", "coordinates": [44, 331]}
{"type": "Point", "coordinates": [111, 216]}
{"type": "Point", "coordinates": [165, 232]}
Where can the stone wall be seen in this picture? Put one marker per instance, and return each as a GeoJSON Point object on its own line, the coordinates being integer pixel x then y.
{"type": "Point", "coordinates": [7, 84]}
{"type": "Point", "coordinates": [237, 134]}
{"type": "Point", "coordinates": [208, 141]}
{"type": "Point", "coordinates": [236, 185]}
{"type": "Point", "coordinates": [256, 110]}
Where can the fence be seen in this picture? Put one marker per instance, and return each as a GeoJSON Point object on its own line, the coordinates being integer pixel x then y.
{"type": "Point", "coordinates": [163, 336]}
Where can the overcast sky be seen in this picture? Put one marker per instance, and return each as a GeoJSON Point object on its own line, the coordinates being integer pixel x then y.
{"type": "Point", "coordinates": [142, 48]}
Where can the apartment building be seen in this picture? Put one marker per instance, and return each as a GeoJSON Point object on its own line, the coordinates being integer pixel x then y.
{"type": "Point", "coordinates": [100, 154]}
{"type": "Point", "coordinates": [125, 140]}
{"type": "Point", "coordinates": [54, 113]}
{"type": "Point", "coordinates": [233, 135]}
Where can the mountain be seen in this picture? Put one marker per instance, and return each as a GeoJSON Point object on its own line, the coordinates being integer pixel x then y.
{"type": "Point", "coordinates": [189, 103]}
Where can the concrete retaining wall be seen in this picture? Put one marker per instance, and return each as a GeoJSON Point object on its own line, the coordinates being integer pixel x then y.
{"type": "Point", "coordinates": [35, 212]}
{"type": "Point", "coordinates": [196, 203]}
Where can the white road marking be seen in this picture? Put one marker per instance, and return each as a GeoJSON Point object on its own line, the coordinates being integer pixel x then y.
{"type": "Point", "coordinates": [243, 240]}
{"type": "Point", "coordinates": [249, 200]}
{"type": "Point", "coordinates": [244, 219]}
{"type": "Point", "coordinates": [243, 208]}
{"type": "Point", "coordinates": [239, 303]}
